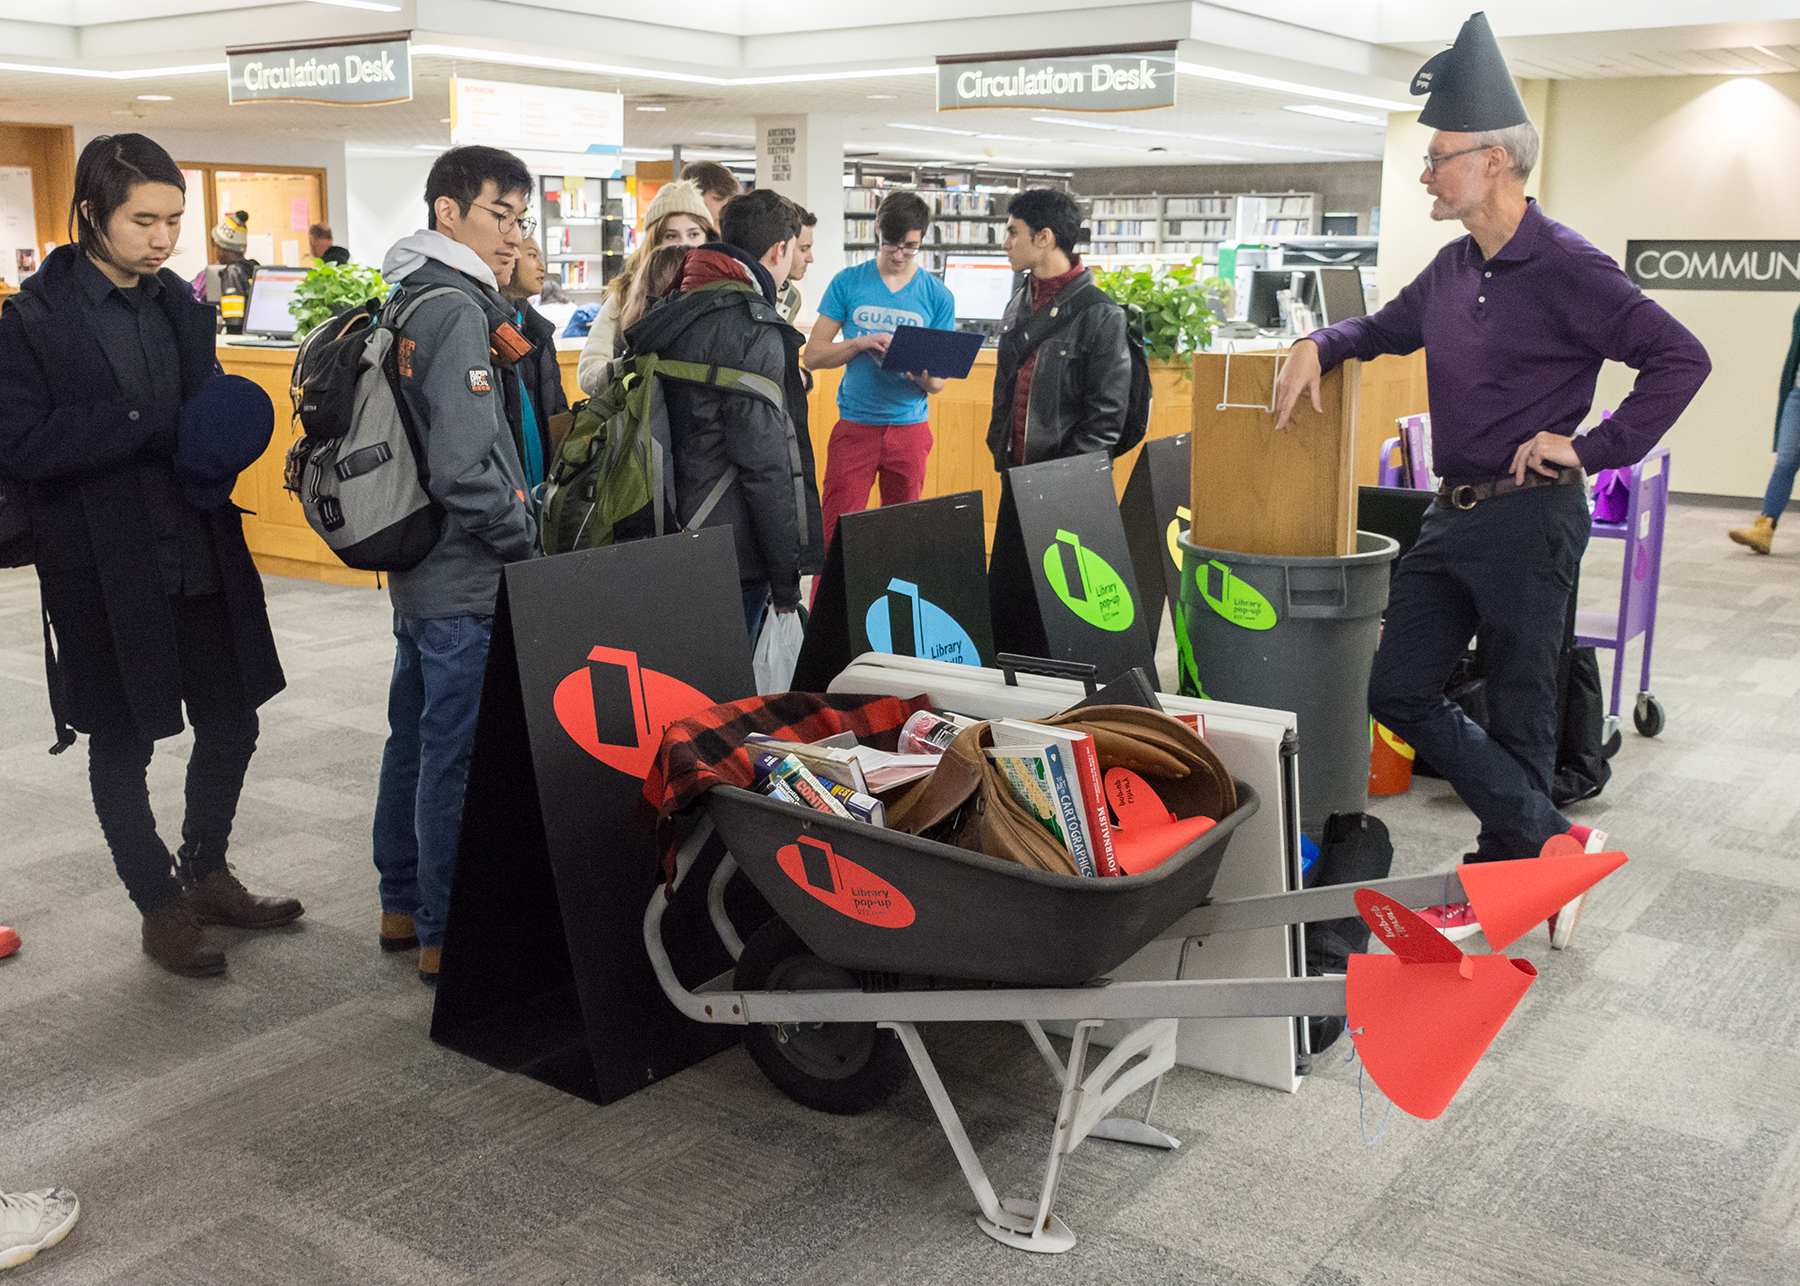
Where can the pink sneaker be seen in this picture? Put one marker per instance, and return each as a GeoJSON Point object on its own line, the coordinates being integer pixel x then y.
{"type": "Point", "coordinates": [9, 941]}
{"type": "Point", "coordinates": [1562, 925]}
{"type": "Point", "coordinates": [1456, 921]}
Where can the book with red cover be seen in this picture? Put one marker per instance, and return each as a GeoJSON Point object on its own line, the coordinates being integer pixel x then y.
{"type": "Point", "coordinates": [1093, 798]}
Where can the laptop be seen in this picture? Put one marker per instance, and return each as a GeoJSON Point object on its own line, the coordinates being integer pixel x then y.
{"type": "Point", "coordinates": [267, 321]}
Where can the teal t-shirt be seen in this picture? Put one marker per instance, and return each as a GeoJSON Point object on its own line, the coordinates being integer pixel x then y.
{"type": "Point", "coordinates": [859, 300]}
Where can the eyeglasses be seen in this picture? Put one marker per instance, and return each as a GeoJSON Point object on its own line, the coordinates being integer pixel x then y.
{"type": "Point", "coordinates": [508, 220]}
{"type": "Point", "coordinates": [1432, 162]}
{"type": "Point", "coordinates": [904, 251]}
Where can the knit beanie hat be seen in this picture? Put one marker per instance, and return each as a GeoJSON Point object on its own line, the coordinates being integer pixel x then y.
{"type": "Point", "coordinates": [233, 232]}
{"type": "Point", "coordinates": [224, 429]}
{"type": "Point", "coordinates": [679, 197]}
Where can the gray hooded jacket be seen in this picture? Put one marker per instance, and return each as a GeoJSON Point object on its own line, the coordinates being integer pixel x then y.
{"type": "Point", "coordinates": [456, 392]}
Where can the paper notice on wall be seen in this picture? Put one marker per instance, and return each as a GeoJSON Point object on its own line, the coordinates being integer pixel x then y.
{"type": "Point", "coordinates": [225, 199]}
{"type": "Point", "coordinates": [261, 247]}
{"type": "Point", "coordinates": [18, 222]}
{"type": "Point", "coordinates": [290, 254]}
{"type": "Point", "coordinates": [302, 214]}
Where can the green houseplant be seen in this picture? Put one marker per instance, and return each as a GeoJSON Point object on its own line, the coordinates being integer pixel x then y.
{"type": "Point", "coordinates": [330, 287]}
{"type": "Point", "coordinates": [1166, 305]}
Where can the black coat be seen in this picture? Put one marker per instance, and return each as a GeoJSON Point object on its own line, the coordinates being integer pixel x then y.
{"type": "Point", "coordinates": [69, 435]}
{"type": "Point", "coordinates": [1081, 386]}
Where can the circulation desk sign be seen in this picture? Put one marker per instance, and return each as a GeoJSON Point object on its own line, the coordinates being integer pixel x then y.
{"type": "Point", "coordinates": [359, 71]}
{"type": "Point", "coordinates": [1120, 78]}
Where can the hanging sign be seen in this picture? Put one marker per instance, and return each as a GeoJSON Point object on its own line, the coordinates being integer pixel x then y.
{"type": "Point", "coordinates": [1714, 265]}
{"type": "Point", "coordinates": [358, 71]}
{"type": "Point", "coordinates": [1127, 78]}
{"type": "Point", "coordinates": [538, 118]}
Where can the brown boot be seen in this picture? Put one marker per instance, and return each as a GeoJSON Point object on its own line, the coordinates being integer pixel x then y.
{"type": "Point", "coordinates": [397, 932]}
{"type": "Point", "coordinates": [1759, 537]}
{"type": "Point", "coordinates": [429, 959]}
{"type": "Point", "coordinates": [219, 898]}
{"type": "Point", "coordinates": [172, 939]}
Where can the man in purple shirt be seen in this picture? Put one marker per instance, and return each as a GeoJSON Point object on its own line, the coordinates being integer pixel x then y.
{"type": "Point", "coordinates": [1516, 319]}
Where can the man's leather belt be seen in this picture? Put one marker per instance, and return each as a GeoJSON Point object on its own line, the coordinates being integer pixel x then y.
{"type": "Point", "coordinates": [1466, 495]}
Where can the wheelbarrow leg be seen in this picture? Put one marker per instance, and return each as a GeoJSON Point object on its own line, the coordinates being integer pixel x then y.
{"type": "Point", "coordinates": [1117, 1128]}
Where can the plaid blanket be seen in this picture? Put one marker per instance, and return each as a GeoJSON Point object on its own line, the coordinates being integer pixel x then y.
{"type": "Point", "coordinates": [707, 749]}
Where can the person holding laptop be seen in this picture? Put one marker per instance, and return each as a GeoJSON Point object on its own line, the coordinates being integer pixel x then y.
{"type": "Point", "coordinates": [881, 430]}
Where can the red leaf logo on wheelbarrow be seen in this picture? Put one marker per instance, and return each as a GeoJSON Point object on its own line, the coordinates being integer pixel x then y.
{"type": "Point", "coordinates": [844, 886]}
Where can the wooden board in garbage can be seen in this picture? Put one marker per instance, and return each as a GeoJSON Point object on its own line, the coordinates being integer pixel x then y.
{"type": "Point", "coordinates": [1262, 492]}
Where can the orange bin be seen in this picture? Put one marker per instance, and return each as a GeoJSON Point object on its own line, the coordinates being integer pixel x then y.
{"type": "Point", "coordinates": [1390, 762]}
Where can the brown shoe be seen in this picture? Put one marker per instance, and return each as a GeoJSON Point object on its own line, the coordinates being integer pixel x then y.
{"type": "Point", "coordinates": [220, 898]}
{"type": "Point", "coordinates": [429, 959]}
{"type": "Point", "coordinates": [172, 939]}
{"type": "Point", "coordinates": [397, 932]}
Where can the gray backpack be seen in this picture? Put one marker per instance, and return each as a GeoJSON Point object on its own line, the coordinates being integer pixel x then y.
{"type": "Point", "coordinates": [359, 470]}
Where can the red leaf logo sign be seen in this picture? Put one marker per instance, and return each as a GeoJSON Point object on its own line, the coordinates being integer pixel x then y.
{"type": "Point", "coordinates": [844, 886]}
{"type": "Point", "coordinates": [617, 711]}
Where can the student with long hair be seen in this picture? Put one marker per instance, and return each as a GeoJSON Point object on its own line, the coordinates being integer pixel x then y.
{"type": "Point", "coordinates": [104, 356]}
{"type": "Point", "coordinates": [678, 216]}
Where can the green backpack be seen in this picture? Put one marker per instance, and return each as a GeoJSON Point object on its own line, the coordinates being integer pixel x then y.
{"type": "Point", "coordinates": [610, 468]}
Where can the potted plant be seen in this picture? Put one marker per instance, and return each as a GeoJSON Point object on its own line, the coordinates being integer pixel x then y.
{"type": "Point", "coordinates": [1167, 306]}
{"type": "Point", "coordinates": [331, 288]}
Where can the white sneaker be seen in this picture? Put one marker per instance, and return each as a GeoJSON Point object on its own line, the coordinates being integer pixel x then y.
{"type": "Point", "coordinates": [34, 1221]}
{"type": "Point", "coordinates": [1562, 924]}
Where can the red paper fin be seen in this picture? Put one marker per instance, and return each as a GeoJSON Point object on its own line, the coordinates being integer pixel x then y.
{"type": "Point", "coordinates": [1143, 847]}
{"type": "Point", "coordinates": [1563, 845]}
{"type": "Point", "coordinates": [1135, 804]}
{"type": "Point", "coordinates": [1403, 932]}
{"type": "Point", "coordinates": [1421, 1028]}
{"type": "Point", "coordinates": [1512, 898]}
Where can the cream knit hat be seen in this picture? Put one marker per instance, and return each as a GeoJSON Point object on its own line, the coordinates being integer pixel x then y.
{"type": "Point", "coordinates": [679, 197]}
{"type": "Point", "coordinates": [233, 232]}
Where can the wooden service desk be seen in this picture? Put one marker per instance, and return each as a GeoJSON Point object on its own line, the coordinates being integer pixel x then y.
{"type": "Point", "coordinates": [283, 545]}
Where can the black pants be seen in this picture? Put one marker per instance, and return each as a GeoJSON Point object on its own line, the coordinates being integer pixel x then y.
{"type": "Point", "coordinates": [1505, 568]}
{"type": "Point", "coordinates": [225, 729]}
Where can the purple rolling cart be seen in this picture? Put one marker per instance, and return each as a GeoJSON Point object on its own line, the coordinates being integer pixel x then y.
{"type": "Point", "coordinates": [1642, 532]}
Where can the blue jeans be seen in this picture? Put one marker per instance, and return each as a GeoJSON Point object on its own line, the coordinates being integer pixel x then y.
{"type": "Point", "coordinates": [433, 699]}
{"type": "Point", "coordinates": [1787, 458]}
{"type": "Point", "coordinates": [1506, 568]}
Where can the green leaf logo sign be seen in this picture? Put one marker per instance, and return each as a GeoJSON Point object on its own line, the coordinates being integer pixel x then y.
{"type": "Point", "coordinates": [1237, 602]}
{"type": "Point", "coordinates": [1087, 585]}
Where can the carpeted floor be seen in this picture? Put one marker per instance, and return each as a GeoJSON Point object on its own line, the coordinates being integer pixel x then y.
{"type": "Point", "coordinates": [1637, 1122]}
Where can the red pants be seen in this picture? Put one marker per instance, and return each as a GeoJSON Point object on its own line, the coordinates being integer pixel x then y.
{"type": "Point", "coordinates": [859, 453]}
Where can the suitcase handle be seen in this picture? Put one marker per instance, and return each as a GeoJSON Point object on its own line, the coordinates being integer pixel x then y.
{"type": "Point", "coordinates": [1013, 665]}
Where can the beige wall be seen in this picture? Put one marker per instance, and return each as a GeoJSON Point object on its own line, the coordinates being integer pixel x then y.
{"type": "Point", "coordinates": [1674, 156]}
{"type": "Point", "coordinates": [1692, 156]}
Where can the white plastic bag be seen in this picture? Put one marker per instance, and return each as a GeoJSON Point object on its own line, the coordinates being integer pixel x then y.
{"type": "Point", "coordinates": [777, 652]}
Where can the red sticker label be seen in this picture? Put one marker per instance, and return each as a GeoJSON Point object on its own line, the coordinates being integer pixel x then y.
{"type": "Point", "coordinates": [1135, 806]}
{"type": "Point", "coordinates": [842, 885]}
{"type": "Point", "coordinates": [617, 711]}
{"type": "Point", "coordinates": [479, 381]}
{"type": "Point", "coordinates": [1403, 932]}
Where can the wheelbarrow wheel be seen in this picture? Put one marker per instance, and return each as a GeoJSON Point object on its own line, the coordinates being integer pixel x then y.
{"type": "Point", "coordinates": [1648, 716]}
{"type": "Point", "coordinates": [842, 1068]}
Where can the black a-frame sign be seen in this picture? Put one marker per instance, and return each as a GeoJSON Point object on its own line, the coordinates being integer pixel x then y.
{"type": "Point", "coordinates": [1155, 511]}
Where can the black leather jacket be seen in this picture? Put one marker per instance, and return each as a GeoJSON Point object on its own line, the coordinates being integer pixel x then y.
{"type": "Point", "coordinates": [1082, 383]}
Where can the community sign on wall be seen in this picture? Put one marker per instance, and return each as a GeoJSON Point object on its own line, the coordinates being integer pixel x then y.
{"type": "Point", "coordinates": [1714, 265]}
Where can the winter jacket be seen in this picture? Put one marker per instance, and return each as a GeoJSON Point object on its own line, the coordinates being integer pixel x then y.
{"type": "Point", "coordinates": [76, 443]}
{"type": "Point", "coordinates": [1788, 370]}
{"type": "Point", "coordinates": [540, 374]}
{"type": "Point", "coordinates": [604, 342]}
{"type": "Point", "coordinates": [1081, 387]}
{"type": "Point", "coordinates": [730, 320]}
{"type": "Point", "coordinates": [459, 394]}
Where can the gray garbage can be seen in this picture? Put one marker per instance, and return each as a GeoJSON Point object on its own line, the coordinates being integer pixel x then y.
{"type": "Point", "coordinates": [1295, 634]}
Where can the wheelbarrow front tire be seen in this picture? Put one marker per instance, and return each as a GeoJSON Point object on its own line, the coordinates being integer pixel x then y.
{"type": "Point", "coordinates": [842, 1068]}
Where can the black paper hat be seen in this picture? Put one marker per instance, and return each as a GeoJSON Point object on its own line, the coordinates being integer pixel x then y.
{"type": "Point", "coordinates": [224, 428]}
{"type": "Point", "coordinates": [1471, 89]}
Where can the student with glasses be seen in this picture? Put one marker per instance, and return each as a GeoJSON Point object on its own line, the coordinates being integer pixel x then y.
{"type": "Point", "coordinates": [456, 357]}
{"type": "Point", "coordinates": [881, 430]}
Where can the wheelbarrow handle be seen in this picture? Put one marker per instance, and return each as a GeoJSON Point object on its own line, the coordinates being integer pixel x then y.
{"type": "Point", "coordinates": [1012, 665]}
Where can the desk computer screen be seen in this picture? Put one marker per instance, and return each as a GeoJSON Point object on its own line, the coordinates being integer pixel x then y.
{"type": "Point", "coordinates": [981, 283]}
{"type": "Point", "coordinates": [271, 290]}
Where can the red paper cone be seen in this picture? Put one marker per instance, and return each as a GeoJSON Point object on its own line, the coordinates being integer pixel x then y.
{"type": "Point", "coordinates": [1421, 1028]}
{"type": "Point", "coordinates": [1511, 898]}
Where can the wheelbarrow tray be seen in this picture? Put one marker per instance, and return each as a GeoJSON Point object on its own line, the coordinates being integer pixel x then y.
{"type": "Point", "coordinates": [865, 898]}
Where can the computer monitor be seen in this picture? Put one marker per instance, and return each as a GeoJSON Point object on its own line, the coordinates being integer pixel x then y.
{"type": "Point", "coordinates": [1340, 294]}
{"type": "Point", "coordinates": [1266, 283]}
{"type": "Point", "coordinates": [266, 311]}
{"type": "Point", "coordinates": [982, 285]}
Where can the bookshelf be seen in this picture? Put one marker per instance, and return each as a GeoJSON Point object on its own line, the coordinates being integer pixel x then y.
{"type": "Point", "coordinates": [968, 208]}
{"type": "Point", "coordinates": [1187, 225]}
{"type": "Point", "coordinates": [584, 233]}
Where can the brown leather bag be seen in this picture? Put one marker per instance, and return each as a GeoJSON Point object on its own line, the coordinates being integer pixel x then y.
{"type": "Point", "coordinates": [966, 801]}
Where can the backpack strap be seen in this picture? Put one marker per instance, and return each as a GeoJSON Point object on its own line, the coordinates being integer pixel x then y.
{"type": "Point", "coordinates": [400, 306]}
{"type": "Point", "coordinates": [726, 378]}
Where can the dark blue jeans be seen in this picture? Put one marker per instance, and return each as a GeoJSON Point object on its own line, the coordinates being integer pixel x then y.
{"type": "Point", "coordinates": [1787, 458]}
{"type": "Point", "coordinates": [433, 699]}
{"type": "Point", "coordinates": [1505, 568]}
